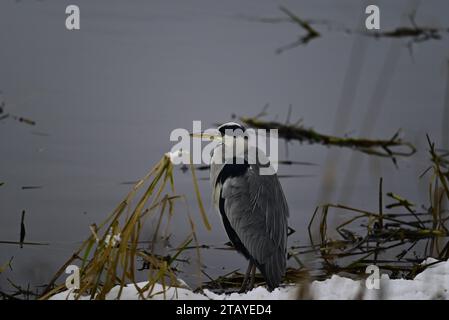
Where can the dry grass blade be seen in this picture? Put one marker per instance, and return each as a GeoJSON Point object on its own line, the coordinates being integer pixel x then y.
{"type": "Point", "coordinates": [198, 197]}
{"type": "Point", "coordinates": [6, 265]}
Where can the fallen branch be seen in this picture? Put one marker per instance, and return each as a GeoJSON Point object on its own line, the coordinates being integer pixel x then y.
{"type": "Point", "coordinates": [311, 33]}
{"type": "Point", "coordinates": [378, 147]}
{"type": "Point", "coordinates": [415, 33]}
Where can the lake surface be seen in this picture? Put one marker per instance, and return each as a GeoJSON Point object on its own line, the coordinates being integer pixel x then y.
{"type": "Point", "coordinates": [105, 99]}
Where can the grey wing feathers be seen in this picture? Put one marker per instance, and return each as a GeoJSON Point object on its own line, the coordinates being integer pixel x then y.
{"type": "Point", "coordinates": [257, 210]}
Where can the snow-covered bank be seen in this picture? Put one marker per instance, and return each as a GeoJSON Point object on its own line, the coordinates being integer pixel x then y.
{"type": "Point", "coordinates": [433, 283]}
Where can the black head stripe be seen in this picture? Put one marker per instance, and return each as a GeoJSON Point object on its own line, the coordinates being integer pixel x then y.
{"type": "Point", "coordinates": [230, 127]}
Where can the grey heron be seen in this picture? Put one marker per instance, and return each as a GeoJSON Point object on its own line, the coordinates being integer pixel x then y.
{"type": "Point", "coordinates": [253, 209]}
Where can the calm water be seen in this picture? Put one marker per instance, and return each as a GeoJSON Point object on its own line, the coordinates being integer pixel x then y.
{"type": "Point", "coordinates": [106, 98]}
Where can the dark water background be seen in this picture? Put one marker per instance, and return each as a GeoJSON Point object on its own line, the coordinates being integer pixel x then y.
{"type": "Point", "coordinates": [106, 98]}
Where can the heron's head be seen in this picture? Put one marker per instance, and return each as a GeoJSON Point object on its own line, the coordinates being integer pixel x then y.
{"type": "Point", "coordinates": [233, 129]}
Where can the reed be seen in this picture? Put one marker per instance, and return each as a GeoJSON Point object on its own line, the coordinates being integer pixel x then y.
{"type": "Point", "coordinates": [108, 256]}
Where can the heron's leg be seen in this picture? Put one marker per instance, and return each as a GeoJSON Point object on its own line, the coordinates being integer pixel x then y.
{"type": "Point", "coordinates": [246, 278]}
{"type": "Point", "coordinates": [253, 277]}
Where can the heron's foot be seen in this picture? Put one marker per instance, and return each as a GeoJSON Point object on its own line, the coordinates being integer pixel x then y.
{"type": "Point", "coordinates": [244, 287]}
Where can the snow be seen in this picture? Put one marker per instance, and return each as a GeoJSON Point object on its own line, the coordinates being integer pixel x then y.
{"type": "Point", "coordinates": [433, 283]}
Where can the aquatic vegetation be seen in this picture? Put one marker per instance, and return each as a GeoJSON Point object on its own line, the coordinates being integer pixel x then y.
{"type": "Point", "coordinates": [399, 231]}
{"type": "Point", "coordinates": [109, 255]}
